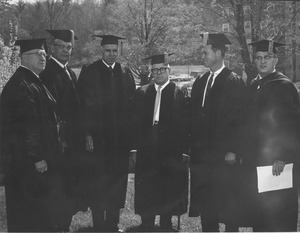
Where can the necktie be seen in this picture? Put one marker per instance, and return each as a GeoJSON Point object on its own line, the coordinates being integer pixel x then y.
{"type": "Point", "coordinates": [67, 72]}
{"type": "Point", "coordinates": [208, 88]}
{"type": "Point", "coordinates": [157, 105]}
{"type": "Point", "coordinates": [111, 70]}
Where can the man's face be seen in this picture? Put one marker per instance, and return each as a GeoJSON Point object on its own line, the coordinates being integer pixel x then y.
{"type": "Point", "coordinates": [209, 56]}
{"type": "Point", "coordinates": [35, 60]}
{"type": "Point", "coordinates": [160, 73]}
{"type": "Point", "coordinates": [110, 53]}
{"type": "Point", "coordinates": [62, 50]}
{"type": "Point", "coordinates": [265, 63]}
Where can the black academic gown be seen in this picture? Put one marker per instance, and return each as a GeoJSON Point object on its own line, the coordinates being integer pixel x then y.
{"type": "Point", "coordinates": [63, 87]}
{"type": "Point", "coordinates": [161, 177]}
{"type": "Point", "coordinates": [271, 133]}
{"type": "Point", "coordinates": [28, 135]}
{"type": "Point", "coordinates": [106, 116]}
{"type": "Point", "coordinates": [214, 184]}
{"type": "Point", "coordinates": [64, 90]}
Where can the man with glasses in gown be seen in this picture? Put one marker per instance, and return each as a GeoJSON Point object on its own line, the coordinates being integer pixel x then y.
{"type": "Point", "coordinates": [271, 140]}
{"type": "Point", "coordinates": [61, 81]}
{"type": "Point", "coordinates": [161, 178]}
{"type": "Point", "coordinates": [29, 144]}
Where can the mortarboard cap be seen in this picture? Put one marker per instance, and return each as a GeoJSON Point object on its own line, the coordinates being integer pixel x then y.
{"type": "Point", "coordinates": [30, 44]}
{"type": "Point", "coordinates": [160, 58]}
{"type": "Point", "coordinates": [217, 40]}
{"type": "Point", "coordinates": [63, 34]}
{"type": "Point", "coordinates": [109, 39]}
{"type": "Point", "coordinates": [266, 46]}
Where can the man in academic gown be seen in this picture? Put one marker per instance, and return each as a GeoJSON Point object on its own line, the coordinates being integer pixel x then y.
{"type": "Point", "coordinates": [271, 138]}
{"type": "Point", "coordinates": [216, 102]}
{"type": "Point", "coordinates": [161, 177]}
{"type": "Point", "coordinates": [61, 81]}
{"type": "Point", "coordinates": [107, 90]}
{"type": "Point", "coordinates": [29, 145]}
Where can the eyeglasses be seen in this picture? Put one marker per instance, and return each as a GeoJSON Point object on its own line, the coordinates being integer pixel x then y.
{"type": "Point", "coordinates": [40, 53]}
{"type": "Point", "coordinates": [266, 58]}
{"type": "Point", "coordinates": [161, 70]}
{"type": "Point", "coordinates": [62, 47]}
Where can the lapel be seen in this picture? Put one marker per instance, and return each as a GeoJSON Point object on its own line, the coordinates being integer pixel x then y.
{"type": "Point", "coordinates": [72, 75]}
{"type": "Point", "coordinates": [217, 88]}
{"type": "Point", "coordinates": [148, 104]}
{"type": "Point", "coordinates": [166, 102]}
{"type": "Point", "coordinates": [104, 75]}
{"type": "Point", "coordinates": [55, 67]}
{"type": "Point", "coordinates": [150, 97]}
{"type": "Point", "coordinates": [270, 78]}
{"type": "Point", "coordinates": [198, 92]}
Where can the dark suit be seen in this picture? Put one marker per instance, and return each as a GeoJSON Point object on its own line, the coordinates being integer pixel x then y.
{"type": "Point", "coordinates": [106, 100]}
{"type": "Point", "coordinates": [29, 135]}
{"type": "Point", "coordinates": [272, 132]}
{"type": "Point", "coordinates": [214, 184]}
{"type": "Point", "coordinates": [63, 87]}
{"type": "Point", "coordinates": [161, 178]}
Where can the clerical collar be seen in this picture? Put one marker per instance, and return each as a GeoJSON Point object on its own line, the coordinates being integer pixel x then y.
{"type": "Point", "coordinates": [112, 66]}
{"type": "Point", "coordinates": [30, 70]}
{"type": "Point", "coordinates": [58, 62]}
{"type": "Point", "coordinates": [162, 87]}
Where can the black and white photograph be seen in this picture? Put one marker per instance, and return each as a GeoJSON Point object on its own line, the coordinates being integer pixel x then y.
{"type": "Point", "coordinates": [149, 116]}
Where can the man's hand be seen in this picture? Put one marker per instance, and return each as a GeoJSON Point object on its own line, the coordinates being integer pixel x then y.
{"type": "Point", "coordinates": [41, 166]}
{"type": "Point", "coordinates": [278, 167]}
{"type": "Point", "coordinates": [89, 144]}
{"type": "Point", "coordinates": [230, 158]}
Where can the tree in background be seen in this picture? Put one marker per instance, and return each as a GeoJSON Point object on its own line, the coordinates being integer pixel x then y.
{"type": "Point", "coordinates": [9, 59]}
{"type": "Point", "coordinates": [251, 20]}
{"type": "Point", "coordinates": [153, 26]}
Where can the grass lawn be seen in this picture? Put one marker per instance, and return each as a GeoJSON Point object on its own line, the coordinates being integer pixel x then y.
{"type": "Point", "coordinates": [128, 218]}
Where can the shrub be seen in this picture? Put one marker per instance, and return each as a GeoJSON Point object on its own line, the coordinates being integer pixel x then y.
{"type": "Point", "coordinates": [9, 61]}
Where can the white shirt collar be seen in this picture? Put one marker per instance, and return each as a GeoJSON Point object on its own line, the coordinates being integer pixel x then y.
{"type": "Point", "coordinates": [217, 72]}
{"type": "Point", "coordinates": [30, 70]}
{"type": "Point", "coordinates": [112, 66]}
{"type": "Point", "coordinates": [163, 86]}
{"type": "Point", "coordinates": [58, 62]}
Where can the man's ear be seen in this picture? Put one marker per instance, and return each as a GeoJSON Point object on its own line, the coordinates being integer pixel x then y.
{"type": "Point", "coordinates": [276, 60]}
{"type": "Point", "coordinates": [219, 53]}
{"type": "Point", "coordinates": [51, 49]}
